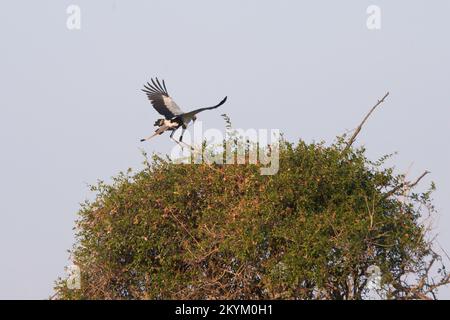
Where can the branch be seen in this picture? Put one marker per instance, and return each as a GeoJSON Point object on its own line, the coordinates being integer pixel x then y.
{"type": "Point", "coordinates": [423, 288]}
{"type": "Point", "coordinates": [185, 229]}
{"type": "Point", "coordinates": [358, 129]}
{"type": "Point", "coordinates": [412, 185]}
{"type": "Point", "coordinates": [405, 184]}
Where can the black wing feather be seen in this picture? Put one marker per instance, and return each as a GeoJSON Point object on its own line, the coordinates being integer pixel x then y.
{"type": "Point", "coordinates": [161, 100]}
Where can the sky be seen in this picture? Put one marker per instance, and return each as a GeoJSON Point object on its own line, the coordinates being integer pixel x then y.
{"type": "Point", "coordinates": [71, 109]}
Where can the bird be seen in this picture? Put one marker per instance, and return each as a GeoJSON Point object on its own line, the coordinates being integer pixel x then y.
{"type": "Point", "coordinates": [174, 117]}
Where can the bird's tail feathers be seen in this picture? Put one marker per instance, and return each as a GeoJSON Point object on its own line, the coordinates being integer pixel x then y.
{"type": "Point", "coordinates": [194, 112]}
{"type": "Point", "coordinates": [221, 102]}
{"type": "Point", "coordinates": [159, 122]}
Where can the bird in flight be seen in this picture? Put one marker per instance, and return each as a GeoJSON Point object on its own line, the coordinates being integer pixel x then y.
{"type": "Point", "coordinates": [174, 117]}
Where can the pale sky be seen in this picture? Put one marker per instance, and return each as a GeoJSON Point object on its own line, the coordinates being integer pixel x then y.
{"type": "Point", "coordinates": [71, 109]}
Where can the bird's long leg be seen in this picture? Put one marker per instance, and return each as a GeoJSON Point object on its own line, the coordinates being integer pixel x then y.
{"type": "Point", "coordinates": [178, 142]}
{"type": "Point", "coordinates": [146, 139]}
{"type": "Point", "coordinates": [159, 131]}
{"type": "Point", "coordinates": [181, 140]}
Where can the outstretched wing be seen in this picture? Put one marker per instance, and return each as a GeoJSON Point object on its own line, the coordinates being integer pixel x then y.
{"type": "Point", "coordinates": [160, 99]}
{"type": "Point", "coordinates": [194, 112]}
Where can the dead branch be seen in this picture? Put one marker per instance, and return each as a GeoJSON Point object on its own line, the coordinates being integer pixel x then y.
{"type": "Point", "coordinates": [358, 129]}
{"type": "Point", "coordinates": [412, 185]}
{"type": "Point", "coordinates": [185, 229]}
{"type": "Point", "coordinates": [405, 185]}
{"type": "Point", "coordinates": [423, 288]}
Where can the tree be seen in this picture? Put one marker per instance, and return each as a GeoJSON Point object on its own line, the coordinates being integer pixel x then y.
{"type": "Point", "coordinates": [315, 230]}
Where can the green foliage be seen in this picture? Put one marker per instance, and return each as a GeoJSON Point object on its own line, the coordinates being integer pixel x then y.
{"type": "Point", "coordinates": [189, 231]}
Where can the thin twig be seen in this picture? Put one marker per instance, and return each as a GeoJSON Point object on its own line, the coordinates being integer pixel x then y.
{"type": "Point", "coordinates": [185, 229]}
{"type": "Point", "coordinates": [358, 129]}
{"type": "Point", "coordinates": [53, 296]}
{"type": "Point", "coordinates": [448, 257]}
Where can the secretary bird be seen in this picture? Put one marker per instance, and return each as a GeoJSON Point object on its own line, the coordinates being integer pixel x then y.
{"type": "Point", "coordinates": [174, 117]}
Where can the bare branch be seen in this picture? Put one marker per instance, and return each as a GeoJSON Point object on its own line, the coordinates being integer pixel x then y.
{"type": "Point", "coordinates": [358, 129]}
{"type": "Point", "coordinates": [405, 184]}
{"type": "Point", "coordinates": [423, 288]}
{"type": "Point", "coordinates": [412, 185]}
